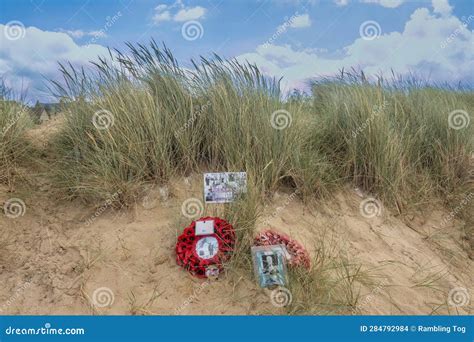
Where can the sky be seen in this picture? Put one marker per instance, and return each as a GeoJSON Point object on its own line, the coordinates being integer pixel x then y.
{"type": "Point", "coordinates": [297, 40]}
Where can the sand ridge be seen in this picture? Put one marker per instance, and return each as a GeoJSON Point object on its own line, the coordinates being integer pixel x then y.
{"type": "Point", "coordinates": [62, 258]}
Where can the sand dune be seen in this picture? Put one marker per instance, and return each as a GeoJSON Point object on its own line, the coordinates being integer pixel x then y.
{"type": "Point", "coordinates": [63, 257]}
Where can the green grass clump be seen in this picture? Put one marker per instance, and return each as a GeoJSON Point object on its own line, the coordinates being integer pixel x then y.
{"type": "Point", "coordinates": [169, 120]}
{"type": "Point", "coordinates": [393, 140]}
{"type": "Point", "coordinates": [14, 120]}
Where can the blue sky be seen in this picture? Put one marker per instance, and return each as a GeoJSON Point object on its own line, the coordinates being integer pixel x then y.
{"type": "Point", "coordinates": [293, 39]}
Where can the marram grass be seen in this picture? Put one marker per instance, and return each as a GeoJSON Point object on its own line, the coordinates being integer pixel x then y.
{"type": "Point", "coordinates": [395, 141]}
{"type": "Point", "coordinates": [14, 121]}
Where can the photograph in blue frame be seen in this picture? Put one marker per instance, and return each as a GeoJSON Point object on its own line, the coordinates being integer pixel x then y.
{"type": "Point", "coordinates": [270, 265]}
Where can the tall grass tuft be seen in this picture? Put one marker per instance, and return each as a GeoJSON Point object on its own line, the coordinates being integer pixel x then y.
{"type": "Point", "coordinates": [167, 120]}
{"type": "Point", "coordinates": [397, 141]}
{"type": "Point", "coordinates": [14, 120]}
{"type": "Point", "coordinates": [394, 139]}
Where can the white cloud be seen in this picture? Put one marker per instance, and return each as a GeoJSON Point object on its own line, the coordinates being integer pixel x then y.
{"type": "Point", "coordinates": [341, 2]}
{"type": "Point", "coordinates": [74, 33]}
{"type": "Point", "coordinates": [161, 8]}
{"type": "Point", "coordinates": [432, 46]}
{"type": "Point", "coordinates": [442, 7]}
{"type": "Point", "coordinates": [385, 3]}
{"type": "Point", "coordinates": [31, 59]}
{"type": "Point", "coordinates": [78, 34]}
{"type": "Point", "coordinates": [177, 12]}
{"type": "Point", "coordinates": [161, 16]}
{"type": "Point", "coordinates": [191, 13]}
{"type": "Point", "coordinates": [98, 34]}
{"type": "Point", "coordinates": [301, 21]}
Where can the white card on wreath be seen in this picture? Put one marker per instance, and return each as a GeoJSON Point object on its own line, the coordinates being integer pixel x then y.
{"type": "Point", "coordinates": [205, 227]}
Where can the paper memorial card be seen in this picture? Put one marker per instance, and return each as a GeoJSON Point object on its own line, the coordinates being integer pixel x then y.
{"type": "Point", "coordinates": [205, 227]}
{"type": "Point", "coordinates": [224, 187]}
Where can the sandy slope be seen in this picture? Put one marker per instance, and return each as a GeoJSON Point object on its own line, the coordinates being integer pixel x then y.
{"type": "Point", "coordinates": [52, 260]}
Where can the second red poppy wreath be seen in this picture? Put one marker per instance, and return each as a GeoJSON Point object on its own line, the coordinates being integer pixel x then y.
{"type": "Point", "coordinates": [299, 255]}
